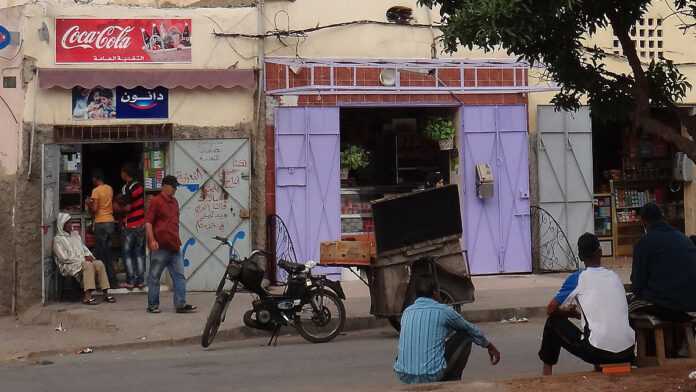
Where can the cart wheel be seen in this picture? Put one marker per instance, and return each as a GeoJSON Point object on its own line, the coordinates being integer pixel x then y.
{"type": "Point", "coordinates": [448, 298]}
{"type": "Point", "coordinates": [395, 322]}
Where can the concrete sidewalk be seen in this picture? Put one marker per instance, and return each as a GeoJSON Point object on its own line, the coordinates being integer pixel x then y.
{"type": "Point", "coordinates": [126, 324]}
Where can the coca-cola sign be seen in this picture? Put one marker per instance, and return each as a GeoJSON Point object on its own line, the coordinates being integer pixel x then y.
{"type": "Point", "coordinates": [123, 40]}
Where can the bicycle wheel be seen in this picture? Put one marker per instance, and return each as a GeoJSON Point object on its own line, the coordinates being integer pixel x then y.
{"type": "Point", "coordinates": [323, 320]}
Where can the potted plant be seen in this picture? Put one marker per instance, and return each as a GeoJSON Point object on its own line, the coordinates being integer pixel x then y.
{"type": "Point", "coordinates": [442, 131]}
{"type": "Point", "coordinates": [353, 158]}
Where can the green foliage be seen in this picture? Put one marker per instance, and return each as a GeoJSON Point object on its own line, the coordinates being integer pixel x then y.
{"type": "Point", "coordinates": [439, 129]}
{"type": "Point", "coordinates": [354, 158]}
{"type": "Point", "coordinates": [554, 34]}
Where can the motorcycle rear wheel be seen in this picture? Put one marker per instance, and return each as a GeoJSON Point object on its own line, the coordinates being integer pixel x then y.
{"type": "Point", "coordinates": [306, 328]}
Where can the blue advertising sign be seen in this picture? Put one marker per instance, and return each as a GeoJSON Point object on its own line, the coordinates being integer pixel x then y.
{"type": "Point", "coordinates": [141, 102]}
{"type": "Point", "coordinates": [120, 103]}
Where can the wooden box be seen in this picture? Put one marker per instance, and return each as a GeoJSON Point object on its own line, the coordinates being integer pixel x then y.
{"type": "Point", "coordinates": [344, 253]}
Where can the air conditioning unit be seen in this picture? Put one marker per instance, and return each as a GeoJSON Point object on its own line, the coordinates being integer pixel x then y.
{"type": "Point", "coordinates": [683, 168]}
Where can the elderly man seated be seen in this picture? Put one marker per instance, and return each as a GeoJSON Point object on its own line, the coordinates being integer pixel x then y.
{"type": "Point", "coordinates": [74, 259]}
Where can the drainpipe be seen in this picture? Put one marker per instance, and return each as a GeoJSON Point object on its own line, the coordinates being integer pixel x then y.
{"type": "Point", "coordinates": [260, 109]}
{"type": "Point", "coordinates": [261, 30]}
{"type": "Point", "coordinates": [433, 46]}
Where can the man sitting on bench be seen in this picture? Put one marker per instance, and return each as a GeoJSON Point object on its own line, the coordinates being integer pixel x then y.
{"type": "Point", "coordinates": [74, 259]}
{"type": "Point", "coordinates": [595, 295]}
{"type": "Point", "coordinates": [664, 270]}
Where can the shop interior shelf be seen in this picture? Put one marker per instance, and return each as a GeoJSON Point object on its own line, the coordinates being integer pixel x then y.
{"type": "Point", "coordinates": [639, 180]}
{"type": "Point", "coordinates": [70, 172]}
{"type": "Point", "coordinates": [355, 216]}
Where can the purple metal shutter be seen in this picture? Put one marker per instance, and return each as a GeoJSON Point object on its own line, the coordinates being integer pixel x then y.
{"type": "Point", "coordinates": [308, 178]}
{"type": "Point", "coordinates": [496, 230]}
{"type": "Point", "coordinates": [513, 189]}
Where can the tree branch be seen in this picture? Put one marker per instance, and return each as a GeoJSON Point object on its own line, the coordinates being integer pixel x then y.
{"type": "Point", "coordinates": [642, 87]}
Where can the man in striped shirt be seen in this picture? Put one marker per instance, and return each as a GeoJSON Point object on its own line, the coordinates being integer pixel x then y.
{"type": "Point", "coordinates": [435, 341]}
{"type": "Point", "coordinates": [133, 198]}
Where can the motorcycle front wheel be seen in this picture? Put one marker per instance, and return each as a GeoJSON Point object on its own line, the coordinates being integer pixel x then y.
{"type": "Point", "coordinates": [321, 318]}
{"type": "Point", "coordinates": [215, 318]}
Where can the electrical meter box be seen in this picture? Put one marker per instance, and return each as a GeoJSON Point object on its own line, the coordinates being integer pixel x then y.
{"type": "Point", "coordinates": [485, 182]}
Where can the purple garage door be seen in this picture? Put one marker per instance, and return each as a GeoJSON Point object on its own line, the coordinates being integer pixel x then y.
{"type": "Point", "coordinates": [496, 230]}
{"type": "Point", "coordinates": [308, 185]}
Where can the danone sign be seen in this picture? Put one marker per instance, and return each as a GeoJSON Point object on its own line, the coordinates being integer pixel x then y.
{"type": "Point", "coordinates": [123, 40]}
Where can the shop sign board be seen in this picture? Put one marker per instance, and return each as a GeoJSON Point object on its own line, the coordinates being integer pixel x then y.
{"type": "Point", "coordinates": [86, 40]}
{"type": "Point", "coordinates": [120, 103]}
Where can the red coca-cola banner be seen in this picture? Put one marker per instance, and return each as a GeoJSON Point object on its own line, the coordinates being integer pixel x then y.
{"type": "Point", "coordinates": [123, 40]}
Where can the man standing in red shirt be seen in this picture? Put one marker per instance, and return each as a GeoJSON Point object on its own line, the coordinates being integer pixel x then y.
{"type": "Point", "coordinates": [162, 227]}
{"type": "Point", "coordinates": [133, 198]}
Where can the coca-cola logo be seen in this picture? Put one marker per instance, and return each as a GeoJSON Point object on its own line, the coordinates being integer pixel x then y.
{"type": "Point", "coordinates": [110, 37]}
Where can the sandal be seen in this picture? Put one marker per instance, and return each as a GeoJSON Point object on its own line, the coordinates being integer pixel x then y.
{"type": "Point", "coordinates": [90, 301]}
{"type": "Point", "coordinates": [110, 299]}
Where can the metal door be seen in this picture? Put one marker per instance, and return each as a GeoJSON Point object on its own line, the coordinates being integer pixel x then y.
{"type": "Point", "coordinates": [214, 201]}
{"type": "Point", "coordinates": [50, 183]}
{"type": "Point", "coordinates": [307, 156]}
{"type": "Point", "coordinates": [565, 172]}
{"type": "Point", "coordinates": [497, 232]}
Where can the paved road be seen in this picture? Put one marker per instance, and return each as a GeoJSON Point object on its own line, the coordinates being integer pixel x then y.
{"type": "Point", "coordinates": [356, 361]}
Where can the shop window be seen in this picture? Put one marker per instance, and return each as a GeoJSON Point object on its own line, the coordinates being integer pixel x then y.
{"type": "Point", "coordinates": [651, 33]}
{"type": "Point", "coordinates": [661, 55]}
{"type": "Point", "coordinates": [641, 21]}
{"type": "Point", "coordinates": [616, 43]}
{"type": "Point", "coordinates": [400, 15]}
{"type": "Point", "coordinates": [650, 21]}
{"type": "Point", "coordinates": [659, 22]}
{"type": "Point", "coordinates": [659, 44]}
{"type": "Point", "coordinates": [652, 55]}
{"type": "Point", "coordinates": [9, 82]}
{"type": "Point", "coordinates": [642, 33]}
{"type": "Point", "coordinates": [651, 44]}
{"type": "Point", "coordinates": [659, 33]}
{"type": "Point", "coordinates": [642, 54]}
{"type": "Point", "coordinates": [642, 44]}
{"type": "Point", "coordinates": [633, 31]}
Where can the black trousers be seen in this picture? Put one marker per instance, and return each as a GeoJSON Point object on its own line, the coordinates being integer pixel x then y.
{"type": "Point", "coordinates": [457, 351]}
{"type": "Point", "coordinates": [638, 306]}
{"type": "Point", "coordinates": [561, 333]}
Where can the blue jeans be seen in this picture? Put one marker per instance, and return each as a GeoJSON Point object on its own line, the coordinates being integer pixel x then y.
{"type": "Point", "coordinates": [104, 233]}
{"type": "Point", "coordinates": [134, 255]}
{"type": "Point", "coordinates": [173, 262]}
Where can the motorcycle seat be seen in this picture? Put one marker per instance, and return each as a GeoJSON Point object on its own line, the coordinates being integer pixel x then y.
{"type": "Point", "coordinates": [291, 268]}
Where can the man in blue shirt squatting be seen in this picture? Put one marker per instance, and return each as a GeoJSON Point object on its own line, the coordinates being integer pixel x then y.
{"type": "Point", "coordinates": [435, 341]}
{"type": "Point", "coordinates": [595, 295]}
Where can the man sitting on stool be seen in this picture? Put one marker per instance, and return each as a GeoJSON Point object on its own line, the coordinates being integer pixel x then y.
{"type": "Point", "coordinates": [435, 341]}
{"type": "Point", "coordinates": [73, 258]}
{"type": "Point", "coordinates": [664, 270]}
{"type": "Point", "coordinates": [597, 296]}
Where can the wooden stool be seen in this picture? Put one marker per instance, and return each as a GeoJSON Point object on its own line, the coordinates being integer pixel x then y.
{"type": "Point", "coordinates": [646, 325]}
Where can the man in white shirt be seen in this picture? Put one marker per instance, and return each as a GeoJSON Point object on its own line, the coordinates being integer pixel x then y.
{"type": "Point", "coordinates": [597, 297]}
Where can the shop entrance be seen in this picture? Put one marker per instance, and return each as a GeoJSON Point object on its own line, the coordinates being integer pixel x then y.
{"type": "Point", "coordinates": [631, 170]}
{"type": "Point", "coordinates": [67, 171]}
{"type": "Point", "coordinates": [396, 157]}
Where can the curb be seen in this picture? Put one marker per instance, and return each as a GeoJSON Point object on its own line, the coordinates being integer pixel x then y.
{"type": "Point", "coordinates": [353, 324]}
